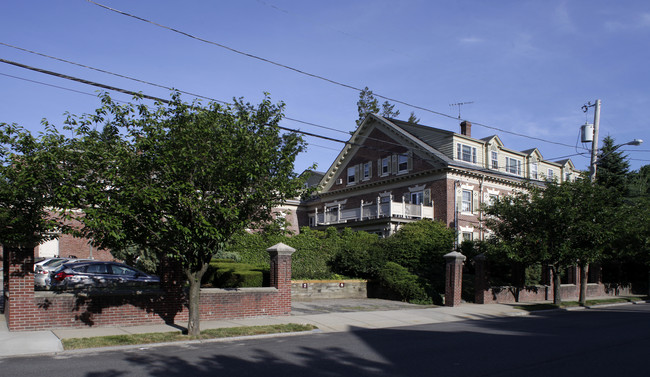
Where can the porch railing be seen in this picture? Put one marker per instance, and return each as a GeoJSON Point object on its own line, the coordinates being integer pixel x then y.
{"type": "Point", "coordinates": [335, 214]}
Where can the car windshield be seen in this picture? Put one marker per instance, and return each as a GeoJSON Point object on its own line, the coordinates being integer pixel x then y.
{"type": "Point", "coordinates": [52, 261]}
{"type": "Point", "coordinates": [56, 263]}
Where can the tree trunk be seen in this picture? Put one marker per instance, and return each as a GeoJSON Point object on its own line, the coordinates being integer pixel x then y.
{"type": "Point", "coordinates": [557, 282]}
{"type": "Point", "coordinates": [584, 278]}
{"type": "Point", "coordinates": [194, 314]}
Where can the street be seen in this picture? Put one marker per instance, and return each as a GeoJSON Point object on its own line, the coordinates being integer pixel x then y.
{"type": "Point", "coordinates": [594, 342]}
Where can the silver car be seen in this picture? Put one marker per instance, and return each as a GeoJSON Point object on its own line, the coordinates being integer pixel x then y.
{"type": "Point", "coordinates": [96, 274]}
{"type": "Point", "coordinates": [42, 271]}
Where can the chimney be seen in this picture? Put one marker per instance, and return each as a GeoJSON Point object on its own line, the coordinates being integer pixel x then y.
{"type": "Point", "coordinates": [466, 128]}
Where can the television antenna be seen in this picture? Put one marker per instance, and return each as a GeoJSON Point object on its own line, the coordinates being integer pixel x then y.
{"type": "Point", "coordinates": [459, 104]}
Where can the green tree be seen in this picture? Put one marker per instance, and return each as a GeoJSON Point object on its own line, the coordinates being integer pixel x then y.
{"type": "Point", "coordinates": [31, 185]}
{"type": "Point", "coordinates": [561, 224]}
{"type": "Point", "coordinates": [413, 118]}
{"type": "Point", "coordinates": [612, 168]}
{"type": "Point", "coordinates": [179, 180]}
{"type": "Point", "coordinates": [368, 104]}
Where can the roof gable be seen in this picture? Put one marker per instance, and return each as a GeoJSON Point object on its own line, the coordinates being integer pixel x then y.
{"type": "Point", "coordinates": [392, 137]}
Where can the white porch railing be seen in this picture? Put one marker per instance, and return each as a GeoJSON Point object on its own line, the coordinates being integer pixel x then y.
{"type": "Point", "coordinates": [337, 214]}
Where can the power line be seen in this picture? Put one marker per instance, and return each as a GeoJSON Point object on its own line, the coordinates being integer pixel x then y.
{"type": "Point", "coordinates": [139, 94]}
{"type": "Point", "coordinates": [315, 75]}
{"type": "Point", "coordinates": [83, 81]}
{"type": "Point", "coordinates": [164, 87]}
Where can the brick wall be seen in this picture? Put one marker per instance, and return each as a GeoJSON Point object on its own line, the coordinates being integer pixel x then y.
{"type": "Point", "coordinates": [29, 310]}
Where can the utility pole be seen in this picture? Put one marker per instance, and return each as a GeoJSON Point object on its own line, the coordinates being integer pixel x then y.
{"type": "Point", "coordinates": [594, 143]}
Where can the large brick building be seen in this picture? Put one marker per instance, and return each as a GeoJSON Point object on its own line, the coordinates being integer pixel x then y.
{"type": "Point", "coordinates": [392, 172]}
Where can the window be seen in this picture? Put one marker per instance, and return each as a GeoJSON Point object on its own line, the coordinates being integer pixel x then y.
{"type": "Point", "coordinates": [495, 160]}
{"type": "Point", "coordinates": [533, 170]}
{"type": "Point", "coordinates": [417, 197]}
{"type": "Point", "coordinates": [513, 166]}
{"type": "Point", "coordinates": [402, 163]}
{"type": "Point", "coordinates": [466, 153]}
{"type": "Point", "coordinates": [385, 199]}
{"type": "Point", "coordinates": [550, 175]}
{"type": "Point", "coordinates": [493, 198]}
{"type": "Point", "coordinates": [467, 236]}
{"type": "Point", "coordinates": [567, 177]}
{"type": "Point", "coordinates": [385, 165]}
{"type": "Point", "coordinates": [352, 172]}
{"type": "Point", "coordinates": [367, 171]}
{"type": "Point", "coordinates": [466, 205]}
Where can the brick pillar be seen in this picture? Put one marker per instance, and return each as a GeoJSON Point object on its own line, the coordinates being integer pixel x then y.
{"type": "Point", "coordinates": [280, 274]}
{"type": "Point", "coordinates": [454, 278]}
{"type": "Point", "coordinates": [19, 287]}
{"type": "Point", "coordinates": [480, 279]}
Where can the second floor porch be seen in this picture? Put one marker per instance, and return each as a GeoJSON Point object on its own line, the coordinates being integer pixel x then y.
{"type": "Point", "coordinates": [384, 207]}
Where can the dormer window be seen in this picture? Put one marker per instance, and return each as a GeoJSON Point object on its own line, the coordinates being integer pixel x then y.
{"type": "Point", "coordinates": [466, 153]}
{"type": "Point", "coordinates": [495, 160]}
{"type": "Point", "coordinates": [513, 166]}
{"type": "Point", "coordinates": [533, 170]}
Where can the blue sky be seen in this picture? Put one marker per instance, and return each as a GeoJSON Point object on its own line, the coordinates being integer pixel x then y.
{"type": "Point", "coordinates": [528, 67]}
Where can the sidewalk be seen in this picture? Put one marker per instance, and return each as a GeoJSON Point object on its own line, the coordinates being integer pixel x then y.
{"type": "Point", "coordinates": [48, 342]}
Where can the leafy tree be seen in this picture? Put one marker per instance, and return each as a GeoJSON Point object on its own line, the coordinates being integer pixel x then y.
{"type": "Point", "coordinates": [31, 185]}
{"type": "Point", "coordinates": [613, 168]}
{"type": "Point", "coordinates": [639, 183]}
{"type": "Point", "coordinates": [560, 224]}
{"type": "Point", "coordinates": [179, 180]}
{"type": "Point", "coordinates": [368, 104]}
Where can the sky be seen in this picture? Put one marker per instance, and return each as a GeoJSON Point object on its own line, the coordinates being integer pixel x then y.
{"type": "Point", "coordinates": [525, 69]}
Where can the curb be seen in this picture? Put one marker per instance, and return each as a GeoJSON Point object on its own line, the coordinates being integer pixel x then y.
{"type": "Point", "coordinates": [183, 342]}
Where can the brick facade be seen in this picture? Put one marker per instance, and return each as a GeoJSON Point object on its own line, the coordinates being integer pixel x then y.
{"type": "Point", "coordinates": [29, 310]}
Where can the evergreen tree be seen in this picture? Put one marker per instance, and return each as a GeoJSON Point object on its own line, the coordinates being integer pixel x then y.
{"type": "Point", "coordinates": [613, 168]}
{"type": "Point", "coordinates": [368, 104]}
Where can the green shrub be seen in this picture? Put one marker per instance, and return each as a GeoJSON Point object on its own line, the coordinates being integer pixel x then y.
{"type": "Point", "coordinates": [229, 274]}
{"type": "Point", "coordinates": [398, 280]}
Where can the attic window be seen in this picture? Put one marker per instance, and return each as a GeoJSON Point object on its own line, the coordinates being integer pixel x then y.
{"type": "Point", "coordinates": [403, 163]}
{"type": "Point", "coordinates": [466, 153]}
{"type": "Point", "coordinates": [352, 173]}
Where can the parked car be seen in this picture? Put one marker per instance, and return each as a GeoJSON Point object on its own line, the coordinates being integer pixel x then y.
{"type": "Point", "coordinates": [42, 274]}
{"type": "Point", "coordinates": [48, 261]}
{"type": "Point", "coordinates": [96, 274]}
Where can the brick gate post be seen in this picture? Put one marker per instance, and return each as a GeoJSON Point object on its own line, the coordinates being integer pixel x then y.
{"type": "Point", "coordinates": [19, 287]}
{"type": "Point", "coordinates": [280, 273]}
{"type": "Point", "coordinates": [454, 278]}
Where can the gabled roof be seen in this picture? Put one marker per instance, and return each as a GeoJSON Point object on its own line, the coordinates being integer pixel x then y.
{"type": "Point", "coordinates": [492, 139]}
{"type": "Point", "coordinates": [411, 135]}
{"type": "Point", "coordinates": [532, 151]}
{"type": "Point", "coordinates": [566, 162]}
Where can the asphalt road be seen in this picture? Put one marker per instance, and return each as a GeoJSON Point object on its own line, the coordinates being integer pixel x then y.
{"type": "Point", "coordinates": [596, 342]}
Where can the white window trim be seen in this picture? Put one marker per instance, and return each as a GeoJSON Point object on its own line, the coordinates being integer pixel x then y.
{"type": "Point", "coordinates": [509, 164]}
{"type": "Point", "coordinates": [472, 151]}
{"type": "Point", "coordinates": [405, 163]}
{"type": "Point", "coordinates": [385, 162]}
{"type": "Point", "coordinates": [353, 176]}
{"type": "Point", "coordinates": [463, 201]}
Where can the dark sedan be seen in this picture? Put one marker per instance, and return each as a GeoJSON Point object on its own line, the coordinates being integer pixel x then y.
{"type": "Point", "coordinates": [98, 274]}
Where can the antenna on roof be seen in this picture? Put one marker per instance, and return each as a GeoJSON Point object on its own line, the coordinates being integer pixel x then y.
{"type": "Point", "coordinates": [459, 104]}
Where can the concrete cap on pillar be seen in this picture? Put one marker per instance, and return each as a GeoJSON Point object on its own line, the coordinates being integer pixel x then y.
{"type": "Point", "coordinates": [280, 249]}
{"type": "Point", "coordinates": [454, 255]}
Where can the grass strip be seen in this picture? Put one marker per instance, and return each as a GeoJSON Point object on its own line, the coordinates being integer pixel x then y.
{"type": "Point", "coordinates": [570, 304]}
{"type": "Point", "coordinates": [165, 337]}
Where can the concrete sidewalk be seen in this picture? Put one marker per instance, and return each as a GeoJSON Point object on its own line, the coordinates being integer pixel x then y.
{"type": "Point", "coordinates": [49, 342]}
